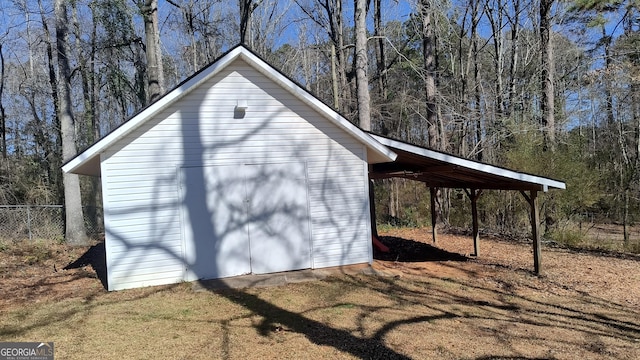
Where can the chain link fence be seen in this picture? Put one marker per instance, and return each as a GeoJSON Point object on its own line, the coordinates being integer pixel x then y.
{"type": "Point", "coordinates": [43, 222]}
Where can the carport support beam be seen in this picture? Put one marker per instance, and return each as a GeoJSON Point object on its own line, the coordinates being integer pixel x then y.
{"type": "Point", "coordinates": [473, 195]}
{"type": "Point", "coordinates": [433, 192]}
{"type": "Point", "coordinates": [532, 199]}
{"type": "Point", "coordinates": [372, 208]}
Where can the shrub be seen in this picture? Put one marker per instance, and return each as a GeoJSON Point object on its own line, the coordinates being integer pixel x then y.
{"type": "Point", "coordinates": [569, 237]}
{"type": "Point", "coordinates": [31, 252]}
{"type": "Point", "coordinates": [633, 248]}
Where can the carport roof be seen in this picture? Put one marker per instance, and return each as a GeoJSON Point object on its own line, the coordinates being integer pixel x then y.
{"type": "Point", "coordinates": [439, 169]}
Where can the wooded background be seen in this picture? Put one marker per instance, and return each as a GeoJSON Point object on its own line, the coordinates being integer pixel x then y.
{"type": "Point", "coordinates": [543, 86]}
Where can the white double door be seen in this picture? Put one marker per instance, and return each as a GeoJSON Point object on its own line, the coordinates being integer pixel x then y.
{"type": "Point", "coordinates": [244, 219]}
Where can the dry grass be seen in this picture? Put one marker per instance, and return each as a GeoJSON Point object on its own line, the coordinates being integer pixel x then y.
{"type": "Point", "coordinates": [605, 237]}
{"type": "Point", "coordinates": [584, 307]}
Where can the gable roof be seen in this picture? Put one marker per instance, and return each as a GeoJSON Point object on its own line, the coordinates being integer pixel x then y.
{"type": "Point", "coordinates": [439, 169]}
{"type": "Point", "coordinates": [88, 161]}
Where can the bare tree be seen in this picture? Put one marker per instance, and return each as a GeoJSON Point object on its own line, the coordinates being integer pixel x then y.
{"type": "Point", "coordinates": [362, 63]}
{"type": "Point", "coordinates": [381, 65]}
{"type": "Point", "coordinates": [428, 54]}
{"type": "Point", "coordinates": [203, 29]}
{"type": "Point", "coordinates": [246, 10]}
{"type": "Point", "coordinates": [75, 231]}
{"type": "Point", "coordinates": [514, 22]}
{"type": "Point", "coordinates": [495, 10]}
{"type": "Point", "coordinates": [53, 83]}
{"type": "Point", "coordinates": [327, 14]}
{"type": "Point", "coordinates": [86, 67]}
{"type": "Point", "coordinates": [3, 121]}
{"type": "Point", "coordinates": [547, 106]}
{"type": "Point", "coordinates": [336, 21]}
{"type": "Point", "coordinates": [474, 53]}
{"type": "Point", "coordinates": [155, 72]}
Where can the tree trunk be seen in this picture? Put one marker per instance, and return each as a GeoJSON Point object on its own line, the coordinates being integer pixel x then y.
{"type": "Point", "coordinates": [334, 77]}
{"type": "Point", "coordinates": [513, 60]}
{"type": "Point", "coordinates": [381, 67]}
{"type": "Point", "coordinates": [361, 61]}
{"type": "Point", "coordinates": [3, 124]}
{"type": "Point", "coordinates": [606, 39]}
{"type": "Point", "coordinates": [393, 210]}
{"type": "Point", "coordinates": [430, 75]}
{"type": "Point", "coordinates": [155, 72]}
{"type": "Point", "coordinates": [91, 123]}
{"type": "Point", "coordinates": [86, 80]}
{"type": "Point", "coordinates": [497, 26]}
{"type": "Point", "coordinates": [477, 106]}
{"type": "Point", "coordinates": [332, 21]}
{"type": "Point", "coordinates": [333, 11]}
{"type": "Point", "coordinates": [40, 134]}
{"type": "Point", "coordinates": [245, 22]}
{"type": "Point", "coordinates": [53, 83]}
{"type": "Point", "coordinates": [548, 70]}
{"type": "Point", "coordinates": [74, 226]}
{"type": "Point", "coordinates": [625, 219]}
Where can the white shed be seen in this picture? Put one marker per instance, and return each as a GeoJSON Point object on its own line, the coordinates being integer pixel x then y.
{"type": "Point", "coordinates": [237, 170]}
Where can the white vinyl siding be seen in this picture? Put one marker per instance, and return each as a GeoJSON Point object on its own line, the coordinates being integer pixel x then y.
{"type": "Point", "coordinates": [140, 173]}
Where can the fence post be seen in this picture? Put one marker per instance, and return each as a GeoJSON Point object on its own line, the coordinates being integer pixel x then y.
{"type": "Point", "coordinates": [29, 222]}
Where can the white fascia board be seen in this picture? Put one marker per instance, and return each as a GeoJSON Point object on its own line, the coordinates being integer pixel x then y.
{"type": "Point", "coordinates": [151, 110]}
{"type": "Point", "coordinates": [451, 159]}
{"type": "Point", "coordinates": [381, 153]}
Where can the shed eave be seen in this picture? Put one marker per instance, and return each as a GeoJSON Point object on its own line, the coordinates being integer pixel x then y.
{"type": "Point", "coordinates": [84, 165]}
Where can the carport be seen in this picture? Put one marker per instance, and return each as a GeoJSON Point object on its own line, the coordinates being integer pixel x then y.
{"type": "Point", "coordinates": [441, 170]}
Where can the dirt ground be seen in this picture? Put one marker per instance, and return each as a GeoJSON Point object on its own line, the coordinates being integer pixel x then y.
{"type": "Point", "coordinates": [42, 273]}
{"type": "Point", "coordinates": [429, 302]}
{"type": "Point", "coordinates": [606, 275]}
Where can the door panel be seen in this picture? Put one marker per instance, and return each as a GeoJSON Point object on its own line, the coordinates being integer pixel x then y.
{"type": "Point", "coordinates": [215, 229]}
{"type": "Point", "coordinates": [245, 218]}
{"type": "Point", "coordinates": [278, 218]}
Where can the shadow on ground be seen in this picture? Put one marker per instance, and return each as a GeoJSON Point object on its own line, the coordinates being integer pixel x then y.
{"type": "Point", "coordinates": [404, 250]}
{"type": "Point", "coordinates": [491, 310]}
{"type": "Point", "coordinates": [96, 257]}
